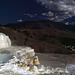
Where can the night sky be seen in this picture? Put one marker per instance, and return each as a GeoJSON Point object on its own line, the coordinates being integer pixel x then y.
{"type": "Point", "coordinates": [12, 11]}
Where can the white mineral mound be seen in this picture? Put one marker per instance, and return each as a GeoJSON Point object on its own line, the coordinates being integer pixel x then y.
{"type": "Point", "coordinates": [4, 41]}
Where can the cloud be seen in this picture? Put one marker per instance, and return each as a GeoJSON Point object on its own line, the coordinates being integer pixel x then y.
{"type": "Point", "coordinates": [72, 23]}
{"type": "Point", "coordinates": [30, 15]}
{"type": "Point", "coordinates": [47, 13]}
{"type": "Point", "coordinates": [19, 20]}
{"type": "Point", "coordinates": [67, 23]}
{"type": "Point", "coordinates": [59, 9]}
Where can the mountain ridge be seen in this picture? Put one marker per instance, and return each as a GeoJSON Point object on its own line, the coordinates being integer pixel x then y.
{"type": "Point", "coordinates": [42, 24]}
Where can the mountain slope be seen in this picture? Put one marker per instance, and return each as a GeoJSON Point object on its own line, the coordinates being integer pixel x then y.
{"type": "Point", "coordinates": [47, 38]}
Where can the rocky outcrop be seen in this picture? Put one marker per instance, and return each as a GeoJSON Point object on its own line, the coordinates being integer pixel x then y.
{"type": "Point", "coordinates": [25, 51]}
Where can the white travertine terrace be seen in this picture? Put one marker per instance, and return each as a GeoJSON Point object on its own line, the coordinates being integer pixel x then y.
{"type": "Point", "coordinates": [26, 51]}
{"type": "Point", "coordinates": [5, 45]}
{"type": "Point", "coordinates": [4, 41]}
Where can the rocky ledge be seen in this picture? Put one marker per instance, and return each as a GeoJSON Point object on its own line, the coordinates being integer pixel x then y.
{"type": "Point", "coordinates": [18, 50]}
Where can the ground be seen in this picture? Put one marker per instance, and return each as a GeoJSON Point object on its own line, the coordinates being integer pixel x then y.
{"type": "Point", "coordinates": [56, 60]}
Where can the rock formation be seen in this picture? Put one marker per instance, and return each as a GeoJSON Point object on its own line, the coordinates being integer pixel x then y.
{"type": "Point", "coordinates": [6, 48]}
{"type": "Point", "coordinates": [4, 41]}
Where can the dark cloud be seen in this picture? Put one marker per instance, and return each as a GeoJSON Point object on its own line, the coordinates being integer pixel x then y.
{"type": "Point", "coordinates": [30, 15]}
{"type": "Point", "coordinates": [72, 23]}
{"type": "Point", "coordinates": [59, 9]}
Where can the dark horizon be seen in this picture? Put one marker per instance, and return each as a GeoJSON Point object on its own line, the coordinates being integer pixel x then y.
{"type": "Point", "coordinates": [33, 21]}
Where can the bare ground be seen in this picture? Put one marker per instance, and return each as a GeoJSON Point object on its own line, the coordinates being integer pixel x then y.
{"type": "Point", "coordinates": [56, 60]}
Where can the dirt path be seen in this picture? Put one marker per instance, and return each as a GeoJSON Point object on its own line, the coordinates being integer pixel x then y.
{"type": "Point", "coordinates": [56, 60]}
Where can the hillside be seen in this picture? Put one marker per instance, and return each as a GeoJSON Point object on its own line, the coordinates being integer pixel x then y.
{"type": "Point", "coordinates": [43, 37]}
{"type": "Point", "coordinates": [42, 24]}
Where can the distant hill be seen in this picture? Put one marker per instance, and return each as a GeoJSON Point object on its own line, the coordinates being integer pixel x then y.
{"type": "Point", "coordinates": [42, 24]}
{"type": "Point", "coordinates": [44, 36]}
